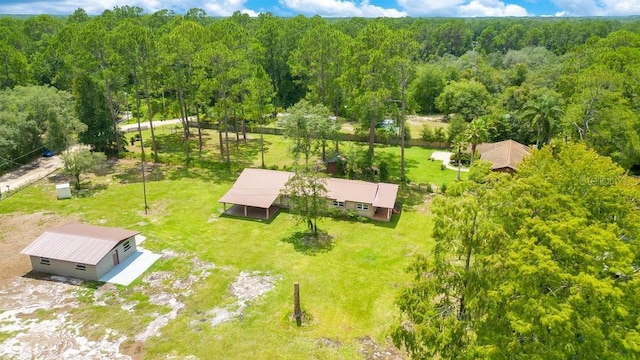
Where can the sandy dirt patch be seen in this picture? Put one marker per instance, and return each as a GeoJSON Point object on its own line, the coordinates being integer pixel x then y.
{"type": "Point", "coordinates": [34, 308]}
{"type": "Point", "coordinates": [177, 289]}
{"type": "Point", "coordinates": [36, 313]}
{"type": "Point", "coordinates": [248, 286]}
{"type": "Point", "coordinates": [16, 232]}
{"type": "Point", "coordinates": [374, 351]}
{"type": "Point", "coordinates": [433, 121]}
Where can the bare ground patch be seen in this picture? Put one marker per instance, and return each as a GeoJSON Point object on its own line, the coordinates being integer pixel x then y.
{"type": "Point", "coordinates": [16, 232]}
{"type": "Point", "coordinates": [35, 309]}
{"type": "Point", "coordinates": [374, 351]}
{"type": "Point", "coordinates": [248, 286]}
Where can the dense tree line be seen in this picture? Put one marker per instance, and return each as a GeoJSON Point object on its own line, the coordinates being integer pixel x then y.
{"type": "Point", "coordinates": [531, 79]}
{"type": "Point", "coordinates": [539, 265]}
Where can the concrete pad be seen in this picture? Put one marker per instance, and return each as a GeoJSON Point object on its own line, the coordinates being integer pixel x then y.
{"type": "Point", "coordinates": [443, 156]}
{"type": "Point", "coordinates": [131, 268]}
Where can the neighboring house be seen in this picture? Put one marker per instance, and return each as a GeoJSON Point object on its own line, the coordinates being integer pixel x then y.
{"type": "Point", "coordinates": [81, 251]}
{"type": "Point", "coordinates": [504, 155]}
{"type": "Point", "coordinates": [257, 193]}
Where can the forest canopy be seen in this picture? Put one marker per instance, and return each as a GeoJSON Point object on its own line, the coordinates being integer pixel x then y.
{"type": "Point", "coordinates": [531, 79]}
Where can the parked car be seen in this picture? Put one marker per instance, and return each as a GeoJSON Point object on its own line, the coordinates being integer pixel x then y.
{"type": "Point", "coordinates": [47, 153]}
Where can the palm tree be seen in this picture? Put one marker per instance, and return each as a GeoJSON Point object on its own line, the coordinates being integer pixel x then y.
{"type": "Point", "coordinates": [477, 132]}
{"type": "Point", "coordinates": [459, 146]}
{"type": "Point", "coordinates": [543, 114]}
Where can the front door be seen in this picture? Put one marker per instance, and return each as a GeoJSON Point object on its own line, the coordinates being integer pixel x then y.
{"type": "Point", "coordinates": [116, 258]}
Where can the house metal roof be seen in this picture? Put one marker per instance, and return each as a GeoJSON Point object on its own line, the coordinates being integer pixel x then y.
{"type": "Point", "coordinates": [503, 154]}
{"type": "Point", "coordinates": [260, 188]}
{"type": "Point", "coordinates": [78, 243]}
{"type": "Point", "coordinates": [257, 188]}
{"type": "Point", "coordinates": [351, 190]}
{"type": "Point", "coordinates": [386, 195]}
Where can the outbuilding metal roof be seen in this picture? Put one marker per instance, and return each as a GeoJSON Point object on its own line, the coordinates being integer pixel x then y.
{"type": "Point", "coordinates": [78, 243]}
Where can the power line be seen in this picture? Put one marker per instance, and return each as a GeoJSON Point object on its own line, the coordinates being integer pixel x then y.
{"type": "Point", "coordinates": [21, 156]}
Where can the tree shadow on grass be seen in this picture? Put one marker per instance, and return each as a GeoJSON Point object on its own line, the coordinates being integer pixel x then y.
{"type": "Point", "coordinates": [392, 161]}
{"type": "Point", "coordinates": [88, 190]}
{"type": "Point", "coordinates": [152, 172]}
{"type": "Point", "coordinates": [411, 195]}
{"type": "Point", "coordinates": [205, 169]}
{"type": "Point", "coordinates": [208, 164]}
{"type": "Point", "coordinates": [304, 242]}
{"type": "Point", "coordinates": [391, 224]}
{"type": "Point", "coordinates": [88, 284]}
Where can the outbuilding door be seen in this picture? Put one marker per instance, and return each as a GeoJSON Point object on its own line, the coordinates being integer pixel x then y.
{"type": "Point", "coordinates": [116, 258]}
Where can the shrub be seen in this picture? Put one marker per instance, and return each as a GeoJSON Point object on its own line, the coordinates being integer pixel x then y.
{"type": "Point", "coordinates": [383, 171]}
{"type": "Point", "coordinates": [427, 134]}
{"type": "Point", "coordinates": [352, 215]}
{"type": "Point", "coordinates": [465, 159]}
{"type": "Point", "coordinates": [334, 212]}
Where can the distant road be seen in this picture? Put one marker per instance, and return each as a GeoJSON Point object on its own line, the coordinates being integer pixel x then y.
{"type": "Point", "coordinates": [29, 173]}
{"type": "Point", "coordinates": [145, 124]}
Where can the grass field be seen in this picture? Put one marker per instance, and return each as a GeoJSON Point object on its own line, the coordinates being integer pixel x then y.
{"type": "Point", "coordinates": [347, 288]}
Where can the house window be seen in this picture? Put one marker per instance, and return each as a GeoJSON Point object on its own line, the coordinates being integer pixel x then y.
{"type": "Point", "coordinates": [361, 206]}
{"type": "Point", "coordinates": [338, 204]}
{"type": "Point", "coordinates": [126, 245]}
{"type": "Point", "coordinates": [45, 261]}
{"type": "Point", "coordinates": [81, 267]}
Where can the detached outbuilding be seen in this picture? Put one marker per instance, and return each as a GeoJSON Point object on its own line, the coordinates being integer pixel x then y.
{"type": "Point", "coordinates": [81, 251]}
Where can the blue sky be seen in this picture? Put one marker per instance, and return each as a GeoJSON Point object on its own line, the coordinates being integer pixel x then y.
{"type": "Point", "coordinates": [344, 8]}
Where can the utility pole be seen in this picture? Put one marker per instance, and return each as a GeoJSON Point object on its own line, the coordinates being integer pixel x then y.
{"type": "Point", "coordinates": [144, 182]}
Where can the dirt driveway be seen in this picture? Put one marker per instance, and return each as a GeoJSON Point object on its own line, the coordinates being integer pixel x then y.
{"type": "Point", "coordinates": [29, 173]}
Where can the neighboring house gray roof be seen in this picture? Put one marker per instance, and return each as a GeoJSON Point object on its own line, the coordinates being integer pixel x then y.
{"type": "Point", "coordinates": [78, 243]}
{"type": "Point", "coordinates": [260, 188]}
{"type": "Point", "coordinates": [503, 154]}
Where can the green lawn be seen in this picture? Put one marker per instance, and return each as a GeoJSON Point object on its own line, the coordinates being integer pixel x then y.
{"type": "Point", "coordinates": [348, 290]}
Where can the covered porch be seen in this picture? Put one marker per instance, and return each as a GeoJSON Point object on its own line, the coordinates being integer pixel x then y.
{"type": "Point", "coordinates": [251, 211]}
{"type": "Point", "coordinates": [384, 213]}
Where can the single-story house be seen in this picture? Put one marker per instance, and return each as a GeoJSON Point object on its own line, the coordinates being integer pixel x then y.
{"type": "Point", "coordinates": [503, 155]}
{"type": "Point", "coordinates": [81, 251]}
{"type": "Point", "coordinates": [257, 193]}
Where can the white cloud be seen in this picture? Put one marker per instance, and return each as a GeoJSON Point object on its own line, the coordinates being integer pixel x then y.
{"type": "Point", "coordinates": [339, 8]}
{"type": "Point", "coordinates": [464, 8]}
{"type": "Point", "coordinates": [597, 7]}
{"type": "Point", "coordinates": [491, 8]}
{"type": "Point", "coordinates": [227, 8]}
